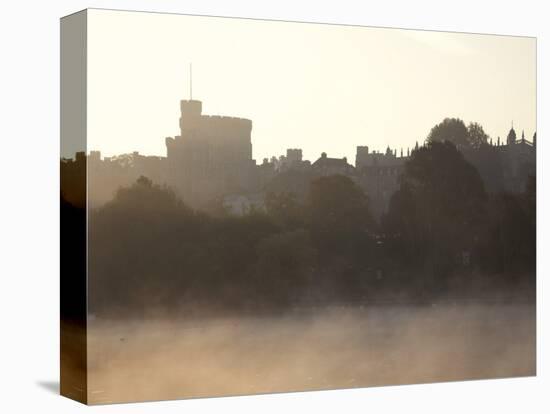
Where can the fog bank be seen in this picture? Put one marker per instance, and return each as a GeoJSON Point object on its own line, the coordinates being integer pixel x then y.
{"type": "Point", "coordinates": [308, 350]}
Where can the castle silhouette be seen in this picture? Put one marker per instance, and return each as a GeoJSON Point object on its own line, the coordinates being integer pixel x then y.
{"type": "Point", "coordinates": [211, 161]}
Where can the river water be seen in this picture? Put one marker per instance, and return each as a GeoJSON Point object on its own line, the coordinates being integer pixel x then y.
{"type": "Point", "coordinates": [308, 349]}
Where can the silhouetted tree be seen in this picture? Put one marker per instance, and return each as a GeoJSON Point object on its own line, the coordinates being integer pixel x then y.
{"type": "Point", "coordinates": [148, 250]}
{"type": "Point", "coordinates": [454, 130]}
{"type": "Point", "coordinates": [285, 266]}
{"type": "Point", "coordinates": [439, 207]}
{"type": "Point", "coordinates": [285, 209]}
{"type": "Point", "coordinates": [336, 204]}
{"type": "Point", "coordinates": [342, 229]}
{"type": "Point", "coordinates": [509, 247]}
{"type": "Point", "coordinates": [402, 223]}
{"type": "Point", "coordinates": [137, 244]}
{"type": "Point", "coordinates": [476, 135]}
{"type": "Point", "coordinates": [489, 165]}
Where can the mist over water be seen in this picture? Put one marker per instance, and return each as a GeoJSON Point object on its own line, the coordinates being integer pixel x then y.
{"type": "Point", "coordinates": [308, 349]}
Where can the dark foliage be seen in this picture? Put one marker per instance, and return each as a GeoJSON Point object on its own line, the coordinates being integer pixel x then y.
{"type": "Point", "coordinates": [443, 235]}
{"type": "Point", "coordinates": [455, 131]}
{"type": "Point", "coordinates": [442, 223]}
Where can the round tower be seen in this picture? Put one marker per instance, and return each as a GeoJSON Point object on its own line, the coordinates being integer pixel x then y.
{"type": "Point", "coordinates": [191, 112]}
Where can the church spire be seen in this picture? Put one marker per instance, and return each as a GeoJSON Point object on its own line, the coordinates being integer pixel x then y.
{"type": "Point", "coordinates": [511, 138]}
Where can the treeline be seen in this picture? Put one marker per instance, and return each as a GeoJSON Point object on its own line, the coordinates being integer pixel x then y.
{"type": "Point", "coordinates": [442, 220]}
{"type": "Point", "coordinates": [442, 236]}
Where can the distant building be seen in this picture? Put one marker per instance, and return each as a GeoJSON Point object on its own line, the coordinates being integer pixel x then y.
{"type": "Point", "coordinates": [332, 166]}
{"type": "Point", "coordinates": [211, 159]}
{"type": "Point", "coordinates": [106, 175]}
{"type": "Point", "coordinates": [378, 175]}
{"type": "Point", "coordinates": [294, 155]}
{"type": "Point", "coordinates": [505, 167]}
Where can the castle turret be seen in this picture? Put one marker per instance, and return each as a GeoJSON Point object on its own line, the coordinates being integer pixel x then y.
{"type": "Point", "coordinates": [191, 112]}
{"type": "Point", "coordinates": [361, 156]}
{"type": "Point", "coordinates": [294, 155]}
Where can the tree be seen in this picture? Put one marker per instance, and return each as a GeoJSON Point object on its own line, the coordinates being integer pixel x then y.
{"type": "Point", "coordinates": [440, 205]}
{"type": "Point", "coordinates": [452, 130]}
{"type": "Point", "coordinates": [336, 204]}
{"type": "Point", "coordinates": [509, 246]}
{"type": "Point", "coordinates": [284, 267]}
{"type": "Point", "coordinates": [455, 131]}
{"type": "Point", "coordinates": [284, 208]}
{"type": "Point", "coordinates": [140, 244]}
{"type": "Point", "coordinates": [342, 228]}
{"type": "Point", "coordinates": [476, 135]}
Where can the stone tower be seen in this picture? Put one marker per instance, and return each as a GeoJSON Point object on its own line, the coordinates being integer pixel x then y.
{"type": "Point", "coordinates": [211, 157]}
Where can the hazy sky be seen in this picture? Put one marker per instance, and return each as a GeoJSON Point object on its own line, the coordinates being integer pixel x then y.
{"type": "Point", "coordinates": [311, 86]}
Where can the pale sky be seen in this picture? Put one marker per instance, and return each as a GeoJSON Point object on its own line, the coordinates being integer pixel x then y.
{"type": "Point", "coordinates": [312, 86]}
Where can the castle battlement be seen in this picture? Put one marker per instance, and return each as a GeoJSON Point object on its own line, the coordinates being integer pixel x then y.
{"type": "Point", "coordinates": [223, 127]}
{"type": "Point", "coordinates": [193, 123]}
{"type": "Point", "coordinates": [229, 119]}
